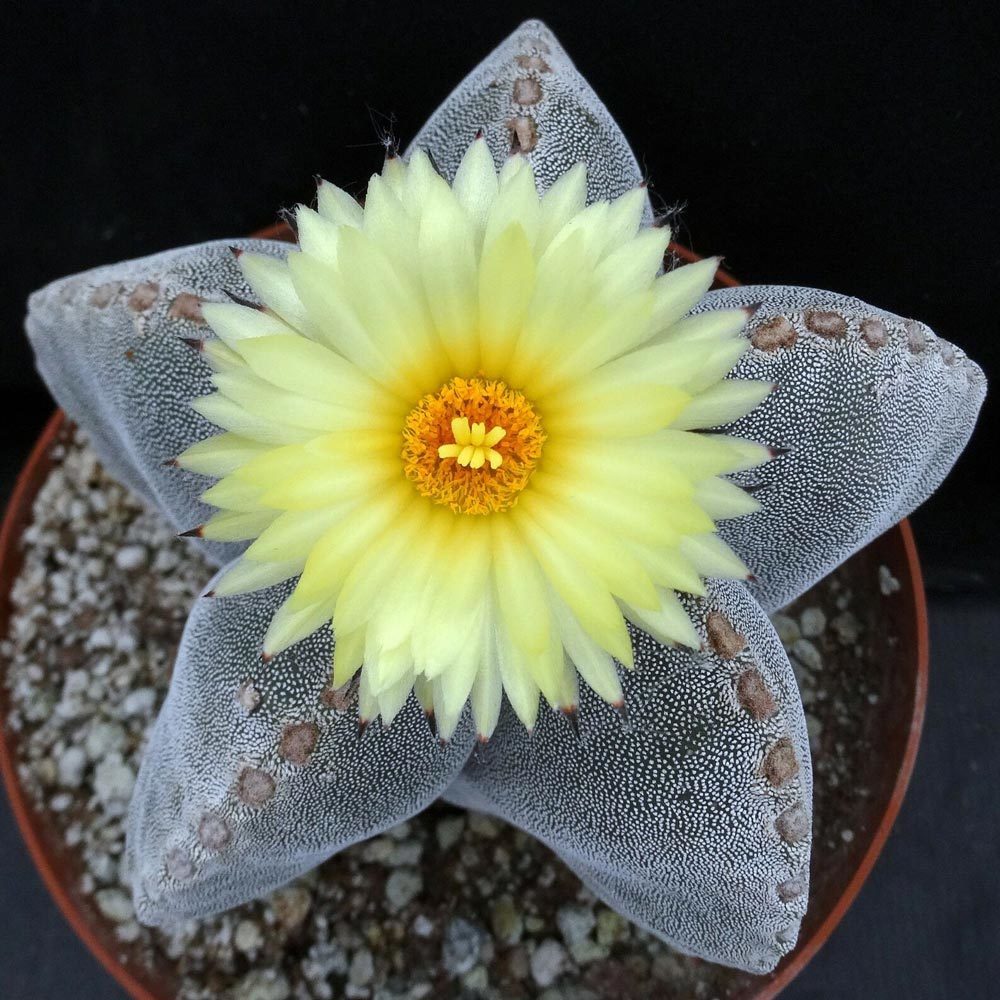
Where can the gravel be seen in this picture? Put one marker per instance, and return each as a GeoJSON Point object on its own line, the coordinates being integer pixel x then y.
{"type": "Point", "coordinates": [575, 923]}
{"type": "Point", "coordinates": [506, 921]}
{"type": "Point", "coordinates": [248, 937]}
{"type": "Point", "coordinates": [548, 962]}
{"type": "Point", "coordinates": [114, 904]}
{"type": "Point", "coordinates": [264, 984]}
{"type": "Point", "coordinates": [114, 781]}
{"type": "Point", "coordinates": [449, 831]}
{"type": "Point", "coordinates": [70, 768]}
{"type": "Point", "coordinates": [362, 968]}
{"type": "Point", "coordinates": [448, 904]}
{"type": "Point", "coordinates": [812, 622]}
{"type": "Point", "coordinates": [402, 887]}
{"type": "Point", "coordinates": [461, 946]}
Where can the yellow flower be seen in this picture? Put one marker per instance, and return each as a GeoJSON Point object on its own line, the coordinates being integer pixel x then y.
{"type": "Point", "coordinates": [463, 418]}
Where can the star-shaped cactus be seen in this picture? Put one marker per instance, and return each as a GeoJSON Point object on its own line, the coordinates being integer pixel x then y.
{"type": "Point", "coordinates": [546, 480]}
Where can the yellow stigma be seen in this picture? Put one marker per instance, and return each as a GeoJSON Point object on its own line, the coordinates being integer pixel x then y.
{"type": "Point", "coordinates": [453, 459]}
{"type": "Point", "coordinates": [473, 445]}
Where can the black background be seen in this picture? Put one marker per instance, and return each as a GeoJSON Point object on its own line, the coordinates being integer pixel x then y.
{"type": "Point", "coordinates": [845, 146]}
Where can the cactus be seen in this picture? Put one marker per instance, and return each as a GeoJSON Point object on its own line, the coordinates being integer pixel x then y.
{"type": "Point", "coordinates": [676, 781]}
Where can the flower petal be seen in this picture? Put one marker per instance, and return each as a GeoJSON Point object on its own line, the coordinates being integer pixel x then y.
{"type": "Point", "coordinates": [669, 816]}
{"type": "Point", "coordinates": [254, 774]}
{"type": "Point", "coordinates": [110, 344]}
{"type": "Point", "coordinates": [873, 409]}
{"type": "Point", "coordinates": [528, 97]}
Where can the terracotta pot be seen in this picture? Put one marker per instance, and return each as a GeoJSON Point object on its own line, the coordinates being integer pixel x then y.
{"type": "Point", "coordinates": [895, 726]}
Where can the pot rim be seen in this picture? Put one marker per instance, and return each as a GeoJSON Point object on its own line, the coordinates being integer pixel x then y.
{"type": "Point", "coordinates": [30, 821]}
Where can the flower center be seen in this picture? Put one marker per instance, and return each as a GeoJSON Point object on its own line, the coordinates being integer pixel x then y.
{"type": "Point", "coordinates": [472, 445]}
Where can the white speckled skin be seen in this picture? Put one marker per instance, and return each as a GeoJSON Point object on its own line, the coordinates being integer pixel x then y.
{"type": "Point", "coordinates": [110, 345]}
{"type": "Point", "coordinates": [351, 785]}
{"type": "Point", "coordinates": [566, 120]}
{"type": "Point", "coordinates": [669, 816]}
{"type": "Point", "coordinates": [872, 426]}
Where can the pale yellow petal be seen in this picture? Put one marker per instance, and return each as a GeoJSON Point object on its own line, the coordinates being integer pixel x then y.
{"type": "Point", "coordinates": [445, 719]}
{"type": "Point", "coordinates": [506, 286]}
{"type": "Point", "coordinates": [703, 455]}
{"type": "Point", "coordinates": [690, 366]}
{"type": "Point", "coordinates": [271, 280]}
{"type": "Point", "coordinates": [516, 202]}
{"type": "Point", "coordinates": [247, 576]}
{"type": "Point", "coordinates": [424, 690]}
{"type": "Point", "coordinates": [721, 499]}
{"type": "Point", "coordinates": [389, 225]}
{"type": "Point", "coordinates": [219, 455]}
{"type": "Point", "coordinates": [386, 667]}
{"type": "Point", "coordinates": [623, 218]}
{"type": "Point", "coordinates": [302, 366]}
{"type": "Point", "coordinates": [232, 322]}
{"type": "Point", "coordinates": [717, 364]}
{"type": "Point", "coordinates": [317, 235]}
{"type": "Point", "coordinates": [520, 588]}
{"type": "Point", "coordinates": [394, 173]}
{"type": "Point", "coordinates": [594, 544]}
{"type": "Point", "coordinates": [649, 520]}
{"type": "Point", "coordinates": [476, 187]}
{"type": "Point", "coordinates": [447, 260]}
{"type": "Point", "coordinates": [595, 664]}
{"type": "Point", "coordinates": [706, 328]}
{"type": "Point", "coordinates": [394, 698]}
{"type": "Point", "coordinates": [236, 526]}
{"type": "Point", "coordinates": [670, 624]}
{"type": "Point", "coordinates": [627, 411]}
{"type": "Point", "coordinates": [564, 199]}
{"type": "Point", "coordinates": [289, 626]}
{"type": "Point", "coordinates": [336, 551]}
{"type": "Point", "coordinates": [680, 290]}
{"type": "Point", "coordinates": [222, 358]}
{"type": "Point", "coordinates": [590, 226]}
{"type": "Point", "coordinates": [632, 466]}
{"type": "Point", "coordinates": [348, 655]}
{"type": "Point", "coordinates": [723, 403]}
{"type": "Point", "coordinates": [333, 484]}
{"type": "Point", "coordinates": [592, 604]}
{"type": "Point", "coordinates": [232, 417]}
{"type": "Point", "coordinates": [420, 177]}
{"type": "Point", "coordinates": [337, 324]}
{"type": "Point", "coordinates": [261, 399]}
{"type": "Point", "coordinates": [548, 670]}
{"type": "Point", "coordinates": [337, 206]}
{"type": "Point", "coordinates": [372, 576]}
{"type": "Point", "coordinates": [233, 494]}
{"type": "Point", "coordinates": [668, 567]}
{"type": "Point", "coordinates": [292, 534]}
{"type": "Point", "coordinates": [367, 702]}
{"type": "Point", "coordinates": [521, 690]}
{"type": "Point", "coordinates": [608, 334]}
{"type": "Point", "coordinates": [393, 313]}
{"type": "Point", "coordinates": [713, 558]}
{"type": "Point", "coordinates": [487, 689]}
{"type": "Point", "coordinates": [563, 281]}
{"type": "Point", "coordinates": [631, 267]}
{"type": "Point", "coordinates": [403, 605]}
